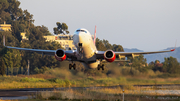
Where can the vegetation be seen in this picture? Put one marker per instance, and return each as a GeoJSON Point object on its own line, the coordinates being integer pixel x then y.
{"type": "Point", "coordinates": [61, 28]}
{"type": "Point", "coordinates": [14, 62]}
{"type": "Point", "coordinates": [61, 77]}
{"type": "Point", "coordinates": [22, 21]}
{"type": "Point", "coordinates": [46, 71]}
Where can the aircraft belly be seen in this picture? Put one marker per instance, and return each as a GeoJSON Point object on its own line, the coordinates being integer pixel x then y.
{"type": "Point", "coordinates": [91, 65]}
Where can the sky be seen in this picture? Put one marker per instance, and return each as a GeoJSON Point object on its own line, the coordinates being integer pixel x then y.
{"type": "Point", "coordinates": [147, 25]}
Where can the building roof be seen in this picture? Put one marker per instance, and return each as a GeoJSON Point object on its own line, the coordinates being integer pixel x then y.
{"type": "Point", "coordinates": [5, 25]}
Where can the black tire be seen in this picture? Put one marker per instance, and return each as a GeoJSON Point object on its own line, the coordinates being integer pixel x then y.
{"type": "Point", "coordinates": [98, 67]}
{"type": "Point", "coordinates": [70, 66]}
{"type": "Point", "coordinates": [74, 66]}
{"type": "Point", "coordinates": [102, 67]}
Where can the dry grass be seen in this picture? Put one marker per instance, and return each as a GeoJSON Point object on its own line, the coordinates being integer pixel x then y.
{"type": "Point", "coordinates": [10, 82]}
{"type": "Point", "coordinates": [65, 78]}
{"type": "Point", "coordinates": [38, 76]}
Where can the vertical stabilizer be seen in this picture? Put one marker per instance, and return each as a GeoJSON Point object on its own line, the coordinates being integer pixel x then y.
{"type": "Point", "coordinates": [95, 36]}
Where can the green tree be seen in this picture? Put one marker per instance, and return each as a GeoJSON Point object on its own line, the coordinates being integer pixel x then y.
{"type": "Point", "coordinates": [171, 65]}
{"type": "Point", "coordinates": [100, 46]}
{"type": "Point", "coordinates": [22, 21]}
{"type": "Point", "coordinates": [118, 48]}
{"type": "Point", "coordinates": [61, 28]}
{"type": "Point", "coordinates": [2, 68]}
{"type": "Point", "coordinates": [139, 63]}
{"type": "Point", "coordinates": [103, 45]}
{"type": "Point", "coordinates": [14, 9]}
{"type": "Point", "coordinates": [12, 59]}
{"type": "Point", "coordinates": [3, 5]}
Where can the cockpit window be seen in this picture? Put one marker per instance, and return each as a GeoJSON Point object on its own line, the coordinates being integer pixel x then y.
{"type": "Point", "coordinates": [81, 31]}
{"type": "Point", "coordinates": [78, 30]}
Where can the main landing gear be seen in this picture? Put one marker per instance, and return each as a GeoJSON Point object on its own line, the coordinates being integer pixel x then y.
{"type": "Point", "coordinates": [72, 66]}
{"type": "Point", "coordinates": [100, 66]}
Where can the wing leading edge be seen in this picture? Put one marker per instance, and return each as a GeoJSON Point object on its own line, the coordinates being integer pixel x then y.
{"type": "Point", "coordinates": [39, 51]}
{"type": "Point", "coordinates": [100, 54]}
{"type": "Point", "coordinates": [69, 53]}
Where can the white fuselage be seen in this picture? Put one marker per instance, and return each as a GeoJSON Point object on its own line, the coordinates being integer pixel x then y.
{"type": "Point", "coordinates": [86, 48]}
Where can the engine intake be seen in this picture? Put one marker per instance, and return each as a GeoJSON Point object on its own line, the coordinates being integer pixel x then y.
{"type": "Point", "coordinates": [109, 56]}
{"type": "Point", "coordinates": [60, 55]}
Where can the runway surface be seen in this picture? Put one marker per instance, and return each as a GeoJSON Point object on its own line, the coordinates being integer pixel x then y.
{"type": "Point", "coordinates": [30, 91]}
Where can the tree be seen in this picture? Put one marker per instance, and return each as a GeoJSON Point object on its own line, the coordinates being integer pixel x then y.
{"type": "Point", "coordinates": [171, 65]}
{"type": "Point", "coordinates": [22, 21]}
{"type": "Point", "coordinates": [2, 68]}
{"type": "Point", "coordinates": [14, 9]}
{"type": "Point", "coordinates": [61, 28]}
{"type": "Point", "coordinates": [118, 48]}
{"type": "Point", "coordinates": [100, 46]}
{"type": "Point", "coordinates": [139, 63]}
{"type": "Point", "coordinates": [3, 5]}
{"type": "Point", "coordinates": [12, 59]}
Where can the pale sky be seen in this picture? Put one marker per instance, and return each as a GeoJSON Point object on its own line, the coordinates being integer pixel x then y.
{"type": "Point", "coordinates": [147, 25]}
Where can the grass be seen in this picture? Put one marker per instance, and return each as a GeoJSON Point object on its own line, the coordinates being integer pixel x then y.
{"type": "Point", "coordinates": [62, 77]}
{"type": "Point", "coordinates": [9, 82]}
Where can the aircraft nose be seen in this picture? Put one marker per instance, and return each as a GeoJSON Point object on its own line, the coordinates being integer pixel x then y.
{"type": "Point", "coordinates": [78, 38]}
{"type": "Point", "coordinates": [81, 37]}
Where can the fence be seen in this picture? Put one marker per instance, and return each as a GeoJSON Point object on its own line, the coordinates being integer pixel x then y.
{"type": "Point", "coordinates": [16, 71]}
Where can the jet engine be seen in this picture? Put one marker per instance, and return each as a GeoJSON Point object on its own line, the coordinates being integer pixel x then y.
{"type": "Point", "coordinates": [60, 55]}
{"type": "Point", "coordinates": [109, 56]}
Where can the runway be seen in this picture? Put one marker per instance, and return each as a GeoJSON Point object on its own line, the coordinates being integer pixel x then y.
{"type": "Point", "coordinates": [26, 93]}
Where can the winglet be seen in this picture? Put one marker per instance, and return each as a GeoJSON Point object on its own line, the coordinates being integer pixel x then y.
{"type": "Point", "coordinates": [174, 47]}
{"type": "Point", "coordinates": [4, 40]}
{"type": "Point", "coordinates": [95, 36]}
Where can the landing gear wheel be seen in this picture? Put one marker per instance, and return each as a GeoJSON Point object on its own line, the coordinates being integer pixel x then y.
{"type": "Point", "coordinates": [74, 66]}
{"type": "Point", "coordinates": [102, 67]}
{"type": "Point", "coordinates": [70, 66]}
{"type": "Point", "coordinates": [98, 67]}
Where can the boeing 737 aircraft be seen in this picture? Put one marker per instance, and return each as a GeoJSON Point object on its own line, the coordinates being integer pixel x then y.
{"type": "Point", "coordinates": [86, 52]}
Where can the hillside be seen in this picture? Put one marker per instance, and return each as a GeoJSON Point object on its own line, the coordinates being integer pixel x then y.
{"type": "Point", "coordinates": [159, 56]}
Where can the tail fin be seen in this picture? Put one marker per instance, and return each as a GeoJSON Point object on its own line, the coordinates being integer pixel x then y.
{"type": "Point", "coordinates": [95, 36]}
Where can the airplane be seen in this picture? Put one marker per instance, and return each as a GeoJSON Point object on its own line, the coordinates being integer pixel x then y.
{"type": "Point", "coordinates": [86, 52]}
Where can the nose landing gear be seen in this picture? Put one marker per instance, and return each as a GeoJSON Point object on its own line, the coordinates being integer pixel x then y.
{"type": "Point", "coordinates": [72, 66]}
{"type": "Point", "coordinates": [100, 66]}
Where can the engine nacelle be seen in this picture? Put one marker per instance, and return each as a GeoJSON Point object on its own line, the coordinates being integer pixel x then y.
{"type": "Point", "coordinates": [60, 55]}
{"type": "Point", "coordinates": [109, 55]}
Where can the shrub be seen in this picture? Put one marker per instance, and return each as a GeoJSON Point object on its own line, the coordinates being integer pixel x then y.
{"type": "Point", "coordinates": [130, 71]}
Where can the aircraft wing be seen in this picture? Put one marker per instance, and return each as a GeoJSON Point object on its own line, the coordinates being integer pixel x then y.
{"type": "Point", "coordinates": [100, 54]}
{"type": "Point", "coordinates": [39, 51]}
{"type": "Point", "coordinates": [136, 53]}
{"type": "Point", "coordinates": [69, 53]}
